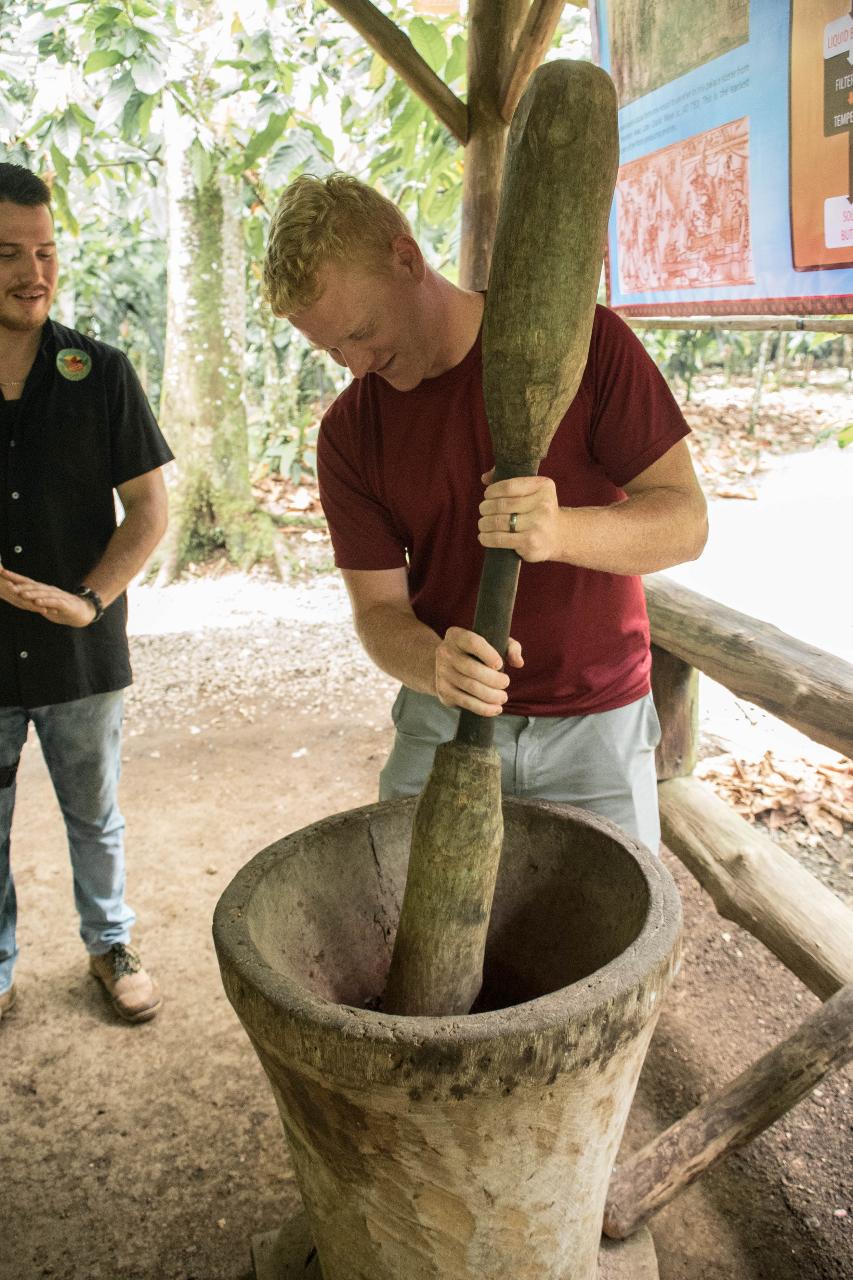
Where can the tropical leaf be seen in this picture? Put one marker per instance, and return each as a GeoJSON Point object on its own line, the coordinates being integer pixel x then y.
{"type": "Point", "coordinates": [66, 134]}
{"type": "Point", "coordinates": [457, 63]}
{"type": "Point", "coordinates": [263, 141]}
{"type": "Point", "coordinates": [114, 102]}
{"type": "Point", "coordinates": [148, 74]}
{"type": "Point", "coordinates": [101, 58]}
{"type": "Point", "coordinates": [429, 43]}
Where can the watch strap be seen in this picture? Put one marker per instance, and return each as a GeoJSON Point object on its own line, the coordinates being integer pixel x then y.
{"type": "Point", "coordinates": [92, 596]}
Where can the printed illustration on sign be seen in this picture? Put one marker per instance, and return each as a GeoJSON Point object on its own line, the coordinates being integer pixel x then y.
{"type": "Point", "coordinates": [73, 364]}
{"type": "Point", "coordinates": [821, 68]}
{"type": "Point", "coordinates": [683, 214]}
{"type": "Point", "coordinates": [652, 44]}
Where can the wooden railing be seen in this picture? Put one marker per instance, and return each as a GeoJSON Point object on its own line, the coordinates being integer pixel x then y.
{"type": "Point", "coordinates": [750, 879]}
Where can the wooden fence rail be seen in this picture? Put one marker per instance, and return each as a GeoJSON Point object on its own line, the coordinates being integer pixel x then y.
{"type": "Point", "coordinates": [750, 879]}
{"type": "Point", "coordinates": [802, 685]}
{"type": "Point", "coordinates": [759, 886]}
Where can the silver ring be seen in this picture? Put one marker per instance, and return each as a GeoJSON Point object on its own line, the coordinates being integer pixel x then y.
{"type": "Point", "coordinates": [513, 522]}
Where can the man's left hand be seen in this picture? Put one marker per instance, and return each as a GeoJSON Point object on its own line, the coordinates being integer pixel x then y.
{"type": "Point", "coordinates": [52, 603]}
{"type": "Point", "coordinates": [538, 519]}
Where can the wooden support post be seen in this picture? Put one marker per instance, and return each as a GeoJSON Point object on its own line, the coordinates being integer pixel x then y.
{"type": "Point", "coordinates": [750, 1104]}
{"type": "Point", "coordinates": [533, 43]}
{"type": "Point", "coordinates": [675, 688]}
{"type": "Point", "coordinates": [492, 33]}
{"type": "Point", "coordinates": [755, 883]}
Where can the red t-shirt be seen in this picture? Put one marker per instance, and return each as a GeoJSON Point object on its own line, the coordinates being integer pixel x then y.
{"type": "Point", "coordinates": [399, 476]}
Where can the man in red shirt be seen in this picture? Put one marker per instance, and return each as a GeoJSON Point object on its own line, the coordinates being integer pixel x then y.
{"type": "Point", "coordinates": [404, 459]}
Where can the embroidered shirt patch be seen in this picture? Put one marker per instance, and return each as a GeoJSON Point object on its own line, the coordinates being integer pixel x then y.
{"type": "Point", "coordinates": [73, 364]}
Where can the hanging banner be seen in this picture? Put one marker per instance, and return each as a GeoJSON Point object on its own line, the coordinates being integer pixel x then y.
{"type": "Point", "coordinates": [735, 187]}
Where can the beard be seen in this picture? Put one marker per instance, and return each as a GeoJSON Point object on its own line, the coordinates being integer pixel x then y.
{"type": "Point", "coordinates": [21, 324]}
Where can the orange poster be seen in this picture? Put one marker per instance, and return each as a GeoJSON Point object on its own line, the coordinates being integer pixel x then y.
{"type": "Point", "coordinates": [821, 133]}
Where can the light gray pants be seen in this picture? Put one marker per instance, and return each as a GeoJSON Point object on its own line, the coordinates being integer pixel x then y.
{"type": "Point", "coordinates": [603, 762]}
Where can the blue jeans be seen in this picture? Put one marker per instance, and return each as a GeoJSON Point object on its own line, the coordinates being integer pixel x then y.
{"type": "Point", "coordinates": [81, 743]}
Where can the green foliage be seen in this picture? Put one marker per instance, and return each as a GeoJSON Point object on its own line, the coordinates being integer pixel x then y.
{"type": "Point", "coordinates": [681, 353]}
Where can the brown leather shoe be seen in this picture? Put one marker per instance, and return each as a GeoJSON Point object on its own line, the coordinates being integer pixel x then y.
{"type": "Point", "coordinates": [7, 999]}
{"type": "Point", "coordinates": [134, 993]}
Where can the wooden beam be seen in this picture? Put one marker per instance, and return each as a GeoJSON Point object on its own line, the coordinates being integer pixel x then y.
{"type": "Point", "coordinates": [534, 41]}
{"type": "Point", "coordinates": [675, 688]}
{"type": "Point", "coordinates": [492, 32]}
{"type": "Point", "coordinates": [747, 1106]}
{"type": "Point", "coordinates": [759, 886]}
{"type": "Point", "coordinates": [398, 51]}
{"type": "Point", "coordinates": [777, 324]}
{"type": "Point", "coordinates": [802, 685]}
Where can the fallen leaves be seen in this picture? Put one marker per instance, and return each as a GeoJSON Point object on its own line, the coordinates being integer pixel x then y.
{"type": "Point", "coordinates": [280, 497]}
{"type": "Point", "coordinates": [728, 457]}
{"type": "Point", "coordinates": [781, 793]}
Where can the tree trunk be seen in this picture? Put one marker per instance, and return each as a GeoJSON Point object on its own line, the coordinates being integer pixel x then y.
{"type": "Point", "coordinates": [492, 32]}
{"type": "Point", "coordinates": [202, 406]}
{"type": "Point", "coordinates": [760, 369]}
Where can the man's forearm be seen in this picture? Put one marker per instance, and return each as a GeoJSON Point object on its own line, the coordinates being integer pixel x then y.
{"type": "Point", "coordinates": [400, 645]}
{"type": "Point", "coordinates": [650, 531]}
{"type": "Point", "coordinates": [127, 550]}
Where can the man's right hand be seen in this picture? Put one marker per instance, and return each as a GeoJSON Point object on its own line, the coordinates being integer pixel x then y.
{"type": "Point", "coordinates": [468, 672]}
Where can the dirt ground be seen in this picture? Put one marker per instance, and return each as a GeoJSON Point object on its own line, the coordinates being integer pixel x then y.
{"type": "Point", "coordinates": [155, 1152]}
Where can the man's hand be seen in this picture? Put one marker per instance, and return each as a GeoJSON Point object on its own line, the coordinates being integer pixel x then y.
{"type": "Point", "coordinates": [533, 500]}
{"type": "Point", "coordinates": [52, 603]}
{"type": "Point", "coordinates": [468, 672]}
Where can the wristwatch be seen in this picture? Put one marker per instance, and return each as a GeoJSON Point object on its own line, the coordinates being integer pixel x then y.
{"type": "Point", "coordinates": [92, 596]}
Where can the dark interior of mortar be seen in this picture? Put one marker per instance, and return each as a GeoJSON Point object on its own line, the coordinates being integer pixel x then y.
{"type": "Point", "coordinates": [570, 898]}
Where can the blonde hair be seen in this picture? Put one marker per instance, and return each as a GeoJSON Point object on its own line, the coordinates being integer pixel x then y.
{"type": "Point", "coordinates": [320, 220]}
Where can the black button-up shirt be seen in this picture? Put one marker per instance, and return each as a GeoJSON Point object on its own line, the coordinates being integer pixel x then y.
{"type": "Point", "coordinates": [82, 427]}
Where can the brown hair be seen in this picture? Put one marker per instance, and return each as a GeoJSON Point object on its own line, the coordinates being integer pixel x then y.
{"type": "Point", "coordinates": [19, 185]}
{"type": "Point", "coordinates": [320, 220]}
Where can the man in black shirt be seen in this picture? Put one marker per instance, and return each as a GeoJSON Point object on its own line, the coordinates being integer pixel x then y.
{"type": "Point", "coordinates": [74, 427]}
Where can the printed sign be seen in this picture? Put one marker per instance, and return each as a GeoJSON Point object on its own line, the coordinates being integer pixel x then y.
{"type": "Point", "coordinates": [735, 188]}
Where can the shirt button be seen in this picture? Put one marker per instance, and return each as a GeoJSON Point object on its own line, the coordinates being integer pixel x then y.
{"type": "Point", "coordinates": [24, 653]}
{"type": "Point", "coordinates": [18, 550]}
{"type": "Point", "coordinates": [16, 494]}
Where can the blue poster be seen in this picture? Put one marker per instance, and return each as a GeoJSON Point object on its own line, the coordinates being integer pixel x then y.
{"type": "Point", "coordinates": [735, 186]}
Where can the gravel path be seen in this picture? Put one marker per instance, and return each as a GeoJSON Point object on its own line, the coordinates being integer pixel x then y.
{"type": "Point", "coordinates": [244, 643]}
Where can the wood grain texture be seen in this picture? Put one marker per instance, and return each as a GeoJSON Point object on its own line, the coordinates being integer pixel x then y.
{"type": "Point", "coordinates": [675, 688]}
{"type": "Point", "coordinates": [457, 835]}
{"type": "Point", "coordinates": [759, 886]}
{"type": "Point", "coordinates": [533, 43]}
{"type": "Point", "coordinates": [804, 686]}
{"type": "Point", "coordinates": [492, 32]}
{"type": "Point", "coordinates": [746, 1107]}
